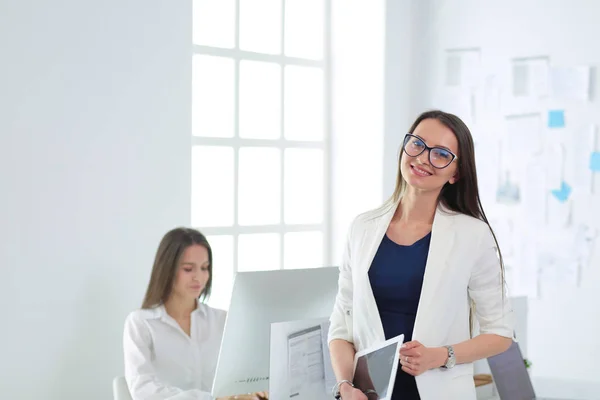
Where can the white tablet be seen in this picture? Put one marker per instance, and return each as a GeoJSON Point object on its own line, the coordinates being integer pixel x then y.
{"type": "Point", "coordinates": [375, 368]}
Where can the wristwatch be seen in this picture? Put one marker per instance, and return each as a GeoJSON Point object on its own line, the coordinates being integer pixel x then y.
{"type": "Point", "coordinates": [451, 361]}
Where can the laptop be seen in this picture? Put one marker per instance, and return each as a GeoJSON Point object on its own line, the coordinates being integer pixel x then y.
{"type": "Point", "coordinates": [511, 377]}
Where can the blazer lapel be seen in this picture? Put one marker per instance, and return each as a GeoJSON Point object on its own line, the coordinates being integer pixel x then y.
{"type": "Point", "coordinates": [374, 236]}
{"type": "Point", "coordinates": [442, 239]}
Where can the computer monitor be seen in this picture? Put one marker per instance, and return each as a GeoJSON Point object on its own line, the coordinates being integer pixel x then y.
{"type": "Point", "coordinates": [259, 299]}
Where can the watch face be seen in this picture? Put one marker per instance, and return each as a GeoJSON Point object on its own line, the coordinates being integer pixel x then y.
{"type": "Point", "coordinates": [451, 362]}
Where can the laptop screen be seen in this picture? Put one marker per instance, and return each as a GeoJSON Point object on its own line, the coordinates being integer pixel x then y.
{"type": "Point", "coordinates": [510, 375]}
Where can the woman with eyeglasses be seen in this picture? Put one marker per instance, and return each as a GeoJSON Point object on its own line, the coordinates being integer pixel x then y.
{"type": "Point", "coordinates": [425, 264]}
{"type": "Point", "coordinates": [172, 343]}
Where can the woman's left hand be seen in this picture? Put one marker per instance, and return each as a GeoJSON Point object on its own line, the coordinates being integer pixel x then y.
{"type": "Point", "coordinates": [416, 358]}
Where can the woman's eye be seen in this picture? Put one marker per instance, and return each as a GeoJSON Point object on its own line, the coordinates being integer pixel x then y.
{"type": "Point", "coordinates": [187, 269]}
{"type": "Point", "coordinates": [443, 154]}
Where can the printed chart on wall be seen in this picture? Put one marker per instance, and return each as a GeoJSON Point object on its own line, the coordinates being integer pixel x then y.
{"type": "Point", "coordinates": [538, 156]}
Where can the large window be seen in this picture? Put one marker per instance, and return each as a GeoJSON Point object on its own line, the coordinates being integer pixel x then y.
{"type": "Point", "coordinates": [260, 134]}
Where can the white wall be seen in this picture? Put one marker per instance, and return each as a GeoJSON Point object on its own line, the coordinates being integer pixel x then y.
{"type": "Point", "coordinates": [358, 38]}
{"type": "Point", "coordinates": [563, 329]}
{"type": "Point", "coordinates": [94, 169]}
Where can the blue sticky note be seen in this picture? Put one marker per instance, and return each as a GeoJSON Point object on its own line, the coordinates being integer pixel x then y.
{"type": "Point", "coordinates": [556, 119]}
{"type": "Point", "coordinates": [563, 193]}
{"type": "Point", "coordinates": [595, 161]}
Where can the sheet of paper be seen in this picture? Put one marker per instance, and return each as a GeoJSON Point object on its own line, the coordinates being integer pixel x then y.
{"type": "Point", "coordinates": [508, 192]}
{"type": "Point", "coordinates": [524, 134]}
{"type": "Point", "coordinates": [456, 101]}
{"type": "Point", "coordinates": [299, 360]}
{"type": "Point", "coordinates": [463, 67]}
{"type": "Point", "coordinates": [306, 368]}
{"type": "Point", "coordinates": [558, 263]}
{"type": "Point", "coordinates": [525, 268]}
{"type": "Point", "coordinates": [585, 239]}
{"type": "Point", "coordinates": [330, 379]}
{"type": "Point", "coordinates": [554, 162]}
{"type": "Point", "coordinates": [534, 197]}
{"type": "Point", "coordinates": [487, 164]}
{"type": "Point", "coordinates": [559, 213]}
{"type": "Point", "coordinates": [570, 82]}
{"type": "Point", "coordinates": [577, 169]}
{"type": "Point", "coordinates": [530, 77]}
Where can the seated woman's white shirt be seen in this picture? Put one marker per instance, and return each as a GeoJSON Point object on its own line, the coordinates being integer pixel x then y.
{"type": "Point", "coordinates": [163, 362]}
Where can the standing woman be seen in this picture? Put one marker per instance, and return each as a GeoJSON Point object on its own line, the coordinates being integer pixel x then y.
{"type": "Point", "coordinates": [171, 345]}
{"type": "Point", "coordinates": [423, 265]}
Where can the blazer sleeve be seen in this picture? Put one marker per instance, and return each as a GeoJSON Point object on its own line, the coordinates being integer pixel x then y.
{"type": "Point", "coordinates": [139, 371]}
{"type": "Point", "coordinates": [341, 318]}
{"type": "Point", "coordinates": [487, 289]}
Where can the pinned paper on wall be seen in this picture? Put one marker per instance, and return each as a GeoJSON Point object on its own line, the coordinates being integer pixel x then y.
{"type": "Point", "coordinates": [558, 262]}
{"type": "Point", "coordinates": [577, 164]}
{"type": "Point", "coordinates": [556, 119]}
{"type": "Point", "coordinates": [534, 193]}
{"type": "Point", "coordinates": [595, 161]}
{"type": "Point", "coordinates": [559, 212]}
{"type": "Point", "coordinates": [524, 134]}
{"type": "Point", "coordinates": [554, 157]}
{"type": "Point", "coordinates": [508, 191]}
{"type": "Point", "coordinates": [525, 270]}
{"type": "Point", "coordinates": [463, 67]}
{"type": "Point", "coordinates": [570, 82]}
{"type": "Point", "coordinates": [457, 102]}
{"type": "Point", "coordinates": [530, 77]}
{"type": "Point", "coordinates": [584, 243]}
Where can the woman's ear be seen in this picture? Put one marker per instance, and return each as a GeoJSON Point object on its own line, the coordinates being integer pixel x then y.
{"type": "Point", "coordinates": [454, 179]}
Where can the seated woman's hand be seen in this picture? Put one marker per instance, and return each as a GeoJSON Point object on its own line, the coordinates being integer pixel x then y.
{"type": "Point", "coordinates": [249, 396]}
{"type": "Point", "coordinates": [350, 393]}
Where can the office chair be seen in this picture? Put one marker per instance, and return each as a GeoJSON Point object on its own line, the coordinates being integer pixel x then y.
{"type": "Point", "coordinates": [120, 389]}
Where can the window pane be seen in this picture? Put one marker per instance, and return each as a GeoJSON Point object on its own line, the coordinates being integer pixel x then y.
{"type": "Point", "coordinates": [260, 26]}
{"type": "Point", "coordinates": [258, 252]}
{"type": "Point", "coordinates": [260, 100]}
{"type": "Point", "coordinates": [259, 201]}
{"type": "Point", "coordinates": [212, 186]}
{"type": "Point", "coordinates": [304, 27]}
{"type": "Point", "coordinates": [212, 96]}
{"type": "Point", "coordinates": [303, 185]}
{"type": "Point", "coordinates": [214, 23]}
{"type": "Point", "coordinates": [222, 249]}
{"type": "Point", "coordinates": [303, 103]}
{"type": "Point", "coordinates": [303, 250]}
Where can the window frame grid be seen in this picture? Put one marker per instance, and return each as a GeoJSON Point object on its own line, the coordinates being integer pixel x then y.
{"type": "Point", "coordinates": [236, 142]}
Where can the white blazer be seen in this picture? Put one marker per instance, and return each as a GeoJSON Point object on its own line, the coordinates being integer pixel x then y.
{"type": "Point", "coordinates": [462, 266]}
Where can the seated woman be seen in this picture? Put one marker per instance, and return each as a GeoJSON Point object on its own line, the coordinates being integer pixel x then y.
{"type": "Point", "coordinates": [172, 344]}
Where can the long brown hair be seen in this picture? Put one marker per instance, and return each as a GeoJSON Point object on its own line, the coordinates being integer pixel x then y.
{"type": "Point", "coordinates": [463, 195]}
{"type": "Point", "coordinates": [166, 262]}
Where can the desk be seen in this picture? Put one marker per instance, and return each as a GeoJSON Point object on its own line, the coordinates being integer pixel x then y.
{"type": "Point", "coordinates": [561, 389]}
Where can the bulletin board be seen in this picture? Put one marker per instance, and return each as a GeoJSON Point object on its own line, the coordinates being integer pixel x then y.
{"type": "Point", "coordinates": [537, 155]}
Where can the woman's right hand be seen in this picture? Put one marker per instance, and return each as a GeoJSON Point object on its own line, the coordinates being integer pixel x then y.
{"type": "Point", "coordinates": [250, 396]}
{"type": "Point", "coordinates": [350, 393]}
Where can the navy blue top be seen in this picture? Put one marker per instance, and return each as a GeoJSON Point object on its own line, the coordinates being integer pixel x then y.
{"type": "Point", "coordinates": [396, 276]}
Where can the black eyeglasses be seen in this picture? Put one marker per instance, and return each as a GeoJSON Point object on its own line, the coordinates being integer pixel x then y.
{"type": "Point", "coordinates": [439, 157]}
